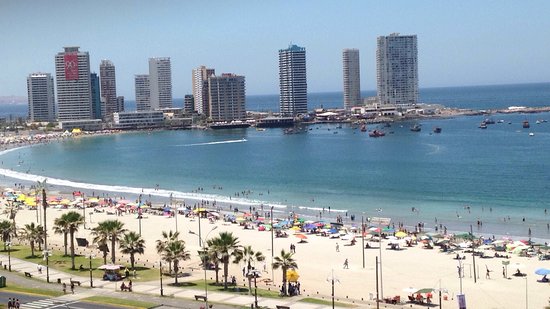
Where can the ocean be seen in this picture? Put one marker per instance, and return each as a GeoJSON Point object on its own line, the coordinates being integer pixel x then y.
{"type": "Point", "coordinates": [498, 177]}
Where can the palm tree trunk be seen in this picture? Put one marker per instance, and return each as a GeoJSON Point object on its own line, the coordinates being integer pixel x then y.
{"type": "Point", "coordinates": [104, 256]}
{"type": "Point", "coordinates": [65, 241]}
{"type": "Point", "coordinates": [225, 271]}
{"type": "Point", "coordinates": [132, 260]}
{"type": "Point", "coordinates": [176, 271]}
{"type": "Point", "coordinates": [72, 249]}
{"type": "Point", "coordinates": [113, 243]}
{"type": "Point", "coordinates": [217, 265]}
{"type": "Point", "coordinates": [32, 248]}
{"type": "Point", "coordinates": [284, 282]}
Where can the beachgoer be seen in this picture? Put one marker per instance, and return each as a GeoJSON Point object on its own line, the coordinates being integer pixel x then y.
{"type": "Point", "coordinates": [487, 273]}
{"type": "Point", "coordinates": [64, 288]}
{"type": "Point", "coordinates": [72, 287]}
{"type": "Point", "coordinates": [337, 247]}
{"type": "Point", "coordinates": [346, 264]}
{"type": "Point", "coordinates": [503, 272]}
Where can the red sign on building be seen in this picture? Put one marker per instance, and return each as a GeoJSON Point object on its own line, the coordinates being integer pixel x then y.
{"type": "Point", "coordinates": [71, 66]}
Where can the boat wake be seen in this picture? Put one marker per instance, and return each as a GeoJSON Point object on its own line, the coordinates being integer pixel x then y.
{"type": "Point", "coordinates": [242, 140]}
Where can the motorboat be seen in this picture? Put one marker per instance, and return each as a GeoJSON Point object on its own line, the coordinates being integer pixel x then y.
{"type": "Point", "coordinates": [376, 133]}
{"type": "Point", "coordinates": [437, 130]}
{"type": "Point", "coordinates": [526, 124]}
{"type": "Point", "coordinates": [416, 128]}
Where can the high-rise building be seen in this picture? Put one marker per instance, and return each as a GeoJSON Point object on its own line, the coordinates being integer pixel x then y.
{"type": "Point", "coordinates": [160, 83]}
{"type": "Point", "coordinates": [120, 103]}
{"type": "Point", "coordinates": [292, 81]}
{"type": "Point", "coordinates": [108, 88]}
{"type": "Point", "coordinates": [226, 97]}
{"type": "Point", "coordinates": [41, 97]}
{"type": "Point", "coordinates": [189, 104]}
{"type": "Point", "coordinates": [74, 93]}
{"type": "Point", "coordinates": [143, 102]}
{"type": "Point", "coordinates": [97, 111]}
{"type": "Point", "coordinates": [352, 81]}
{"type": "Point", "coordinates": [397, 69]}
{"type": "Point", "coordinates": [200, 91]}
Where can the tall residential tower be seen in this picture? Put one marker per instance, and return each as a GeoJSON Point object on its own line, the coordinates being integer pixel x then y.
{"type": "Point", "coordinates": [41, 97]}
{"type": "Point", "coordinates": [143, 102]}
{"type": "Point", "coordinates": [74, 93]}
{"type": "Point", "coordinates": [160, 83]}
{"type": "Point", "coordinates": [397, 70]}
{"type": "Point", "coordinates": [292, 81]}
{"type": "Point", "coordinates": [200, 91]}
{"type": "Point", "coordinates": [226, 97]}
{"type": "Point", "coordinates": [108, 88]}
{"type": "Point", "coordinates": [352, 82]}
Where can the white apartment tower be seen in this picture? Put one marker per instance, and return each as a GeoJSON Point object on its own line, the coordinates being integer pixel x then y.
{"type": "Point", "coordinates": [74, 94]}
{"type": "Point", "coordinates": [200, 91]}
{"type": "Point", "coordinates": [292, 81]}
{"type": "Point", "coordinates": [143, 102]}
{"type": "Point", "coordinates": [352, 81]}
{"type": "Point", "coordinates": [108, 88]}
{"type": "Point", "coordinates": [160, 83]}
{"type": "Point", "coordinates": [41, 97]}
{"type": "Point", "coordinates": [226, 96]}
{"type": "Point", "coordinates": [397, 70]}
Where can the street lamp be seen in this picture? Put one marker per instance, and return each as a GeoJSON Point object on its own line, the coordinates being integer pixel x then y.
{"type": "Point", "coordinates": [363, 238]}
{"type": "Point", "coordinates": [460, 274]}
{"type": "Point", "coordinates": [255, 274]}
{"type": "Point", "coordinates": [272, 250]}
{"type": "Point", "coordinates": [332, 279]}
{"type": "Point", "coordinates": [83, 209]}
{"type": "Point", "coordinates": [204, 264]}
{"type": "Point", "coordinates": [160, 270]}
{"type": "Point", "coordinates": [139, 213]}
{"type": "Point", "coordinates": [91, 256]}
{"type": "Point", "coordinates": [46, 252]}
{"type": "Point", "coordinates": [8, 244]}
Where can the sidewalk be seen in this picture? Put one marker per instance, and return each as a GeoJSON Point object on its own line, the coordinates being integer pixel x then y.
{"type": "Point", "coordinates": [143, 291]}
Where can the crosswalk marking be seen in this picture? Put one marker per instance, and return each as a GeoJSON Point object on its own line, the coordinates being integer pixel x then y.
{"type": "Point", "coordinates": [47, 303]}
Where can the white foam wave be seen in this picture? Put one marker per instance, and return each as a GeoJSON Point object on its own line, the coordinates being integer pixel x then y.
{"type": "Point", "coordinates": [242, 140]}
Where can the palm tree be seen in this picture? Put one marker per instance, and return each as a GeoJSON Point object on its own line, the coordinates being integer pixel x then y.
{"type": "Point", "coordinates": [73, 220]}
{"type": "Point", "coordinates": [33, 234]}
{"type": "Point", "coordinates": [132, 243]}
{"type": "Point", "coordinates": [249, 256]}
{"type": "Point", "coordinates": [101, 238]}
{"type": "Point", "coordinates": [167, 237]}
{"type": "Point", "coordinates": [226, 245]}
{"type": "Point", "coordinates": [211, 256]}
{"type": "Point", "coordinates": [6, 230]}
{"type": "Point", "coordinates": [285, 261]}
{"type": "Point", "coordinates": [174, 252]}
{"type": "Point", "coordinates": [109, 230]}
{"type": "Point", "coordinates": [60, 227]}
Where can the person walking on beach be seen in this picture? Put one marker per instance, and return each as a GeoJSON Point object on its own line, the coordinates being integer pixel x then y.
{"type": "Point", "coordinates": [346, 264]}
{"type": "Point", "coordinates": [337, 247]}
{"type": "Point", "coordinates": [503, 272]}
{"type": "Point", "coordinates": [64, 288]}
{"type": "Point", "coordinates": [487, 273]}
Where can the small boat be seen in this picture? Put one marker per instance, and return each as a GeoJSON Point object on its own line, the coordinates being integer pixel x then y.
{"type": "Point", "coordinates": [483, 125]}
{"type": "Point", "coordinates": [363, 128]}
{"type": "Point", "coordinates": [416, 128]}
{"type": "Point", "coordinates": [260, 129]}
{"type": "Point", "coordinates": [376, 133]}
{"type": "Point", "coordinates": [489, 121]}
{"type": "Point", "coordinates": [538, 122]}
{"type": "Point", "coordinates": [531, 134]}
{"type": "Point", "coordinates": [437, 130]}
{"type": "Point", "coordinates": [526, 124]}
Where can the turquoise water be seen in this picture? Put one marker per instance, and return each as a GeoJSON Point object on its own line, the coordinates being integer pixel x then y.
{"type": "Point", "coordinates": [498, 172]}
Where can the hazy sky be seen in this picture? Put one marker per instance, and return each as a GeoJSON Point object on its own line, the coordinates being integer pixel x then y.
{"type": "Point", "coordinates": [466, 42]}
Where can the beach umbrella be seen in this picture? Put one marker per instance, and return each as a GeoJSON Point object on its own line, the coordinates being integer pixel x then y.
{"type": "Point", "coordinates": [93, 200]}
{"type": "Point", "coordinates": [292, 275]}
{"type": "Point", "coordinates": [388, 230]}
{"type": "Point", "coordinates": [400, 234]}
{"type": "Point", "coordinates": [295, 228]}
{"type": "Point", "coordinates": [301, 236]}
{"type": "Point", "coordinates": [64, 202]}
{"type": "Point", "coordinates": [110, 267]}
{"type": "Point", "coordinates": [425, 290]}
{"type": "Point", "coordinates": [542, 271]}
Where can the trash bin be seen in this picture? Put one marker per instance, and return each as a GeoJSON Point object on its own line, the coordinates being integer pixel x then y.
{"type": "Point", "coordinates": [2, 282]}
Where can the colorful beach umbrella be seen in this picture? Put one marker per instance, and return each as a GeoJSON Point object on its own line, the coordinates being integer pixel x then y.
{"type": "Point", "coordinates": [542, 271]}
{"type": "Point", "coordinates": [400, 234]}
{"type": "Point", "coordinates": [301, 236]}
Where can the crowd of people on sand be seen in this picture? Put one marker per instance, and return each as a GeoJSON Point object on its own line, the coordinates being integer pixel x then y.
{"type": "Point", "coordinates": [13, 303]}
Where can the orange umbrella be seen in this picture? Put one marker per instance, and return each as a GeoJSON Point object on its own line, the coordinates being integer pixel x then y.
{"type": "Point", "coordinates": [301, 236]}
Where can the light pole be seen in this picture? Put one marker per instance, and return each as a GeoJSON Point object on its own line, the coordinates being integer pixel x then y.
{"type": "Point", "coordinates": [385, 221]}
{"type": "Point", "coordinates": [139, 213]}
{"type": "Point", "coordinates": [460, 274]}
{"type": "Point", "coordinates": [8, 244]}
{"type": "Point", "coordinates": [272, 249]}
{"type": "Point", "coordinates": [91, 256]}
{"type": "Point", "coordinates": [204, 265]}
{"type": "Point", "coordinates": [83, 209]}
{"type": "Point", "coordinates": [363, 238]}
{"type": "Point", "coordinates": [332, 279]}
{"type": "Point", "coordinates": [200, 238]}
{"type": "Point", "coordinates": [256, 274]}
{"type": "Point", "coordinates": [46, 252]}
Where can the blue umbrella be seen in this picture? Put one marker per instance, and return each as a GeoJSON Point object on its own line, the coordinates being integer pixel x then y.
{"type": "Point", "coordinates": [542, 271]}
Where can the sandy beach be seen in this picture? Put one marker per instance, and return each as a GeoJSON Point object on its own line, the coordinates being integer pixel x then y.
{"type": "Point", "coordinates": [414, 266]}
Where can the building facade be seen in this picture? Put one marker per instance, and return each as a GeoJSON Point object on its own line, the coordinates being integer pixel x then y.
{"type": "Point", "coordinates": [97, 111]}
{"type": "Point", "coordinates": [74, 92]}
{"type": "Point", "coordinates": [138, 120]}
{"type": "Point", "coordinates": [143, 97]}
{"type": "Point", "coordinates": [352, 81]}
{"type": "Point", "coordinates": [226, 97]}
{"type": "Point", "coordinates": [120, 103]}
{"type": "Point", "coordinates": [108, 88]}
{"type": "Point", "coordinates": [160, 83]}
{"type": "Point", "coordinates": [397, 70]}
{"type": "Point", "coordinates": [292, 81]}
{"type": "Point", "coordinates": [41, 97]}
{"type": "Point", "coordinates": [200, 88]}
{"type": "Point", "coordinates": [189, 104]}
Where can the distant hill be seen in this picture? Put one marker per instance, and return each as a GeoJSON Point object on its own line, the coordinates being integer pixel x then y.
{"type": "Point", "coordinates": [15, 100]}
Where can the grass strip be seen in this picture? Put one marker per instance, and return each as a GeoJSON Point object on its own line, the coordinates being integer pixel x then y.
{"type": "Point", "coordinates": [33, 291]}
{"type": "Point", "coordinates": [119, 302]}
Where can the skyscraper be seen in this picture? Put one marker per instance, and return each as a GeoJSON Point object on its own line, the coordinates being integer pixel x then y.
{"type": "Point", "coordinates": [74, 93]}
{"type": "Point", "coordinates": [352, 82]}
{"type": "Point", "coordinates": [41, 97]}
{"type": "Point", "coordinates": [292, 81]}
{"type": "Point", "coordinates": [226, 97]}
{"type": "Point", "coordinates": [143, 102]}
{"type": "Point", "coordinates": [188, 104]}
{"type": "Point", "coordinates": [200, 91]}
{"type": "Point", "coordinates": [96, 96]}
{"type": "Point", "coordinates": [160, 83]}
{"type": "Point", "coordinates": [397, 69]}
{"type": "Point", "coordinates": [120, 103]}
{"type": "Point", "coordinates": [108, 88]}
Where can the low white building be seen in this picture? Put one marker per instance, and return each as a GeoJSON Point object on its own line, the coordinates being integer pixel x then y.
{"type": "Point", "coordinates": [138, 120]}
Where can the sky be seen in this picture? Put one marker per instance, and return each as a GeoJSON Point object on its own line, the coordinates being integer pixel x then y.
{"type": "Point", "coordinates": [467, 42]}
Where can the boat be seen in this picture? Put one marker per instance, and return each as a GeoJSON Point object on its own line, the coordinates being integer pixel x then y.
{"type": "Point", "coordinates": [526, 124]}
{"type": "Point", "coordinates": [483, 125]}
{"type": "Point", "coordinates": [489, 121]}
{"type": "Point", "coordinates": [229, 125]}
{"type": "Point", "coordinates": [363, 128]}
{"type": "Point", "coordinates": [531, 134]}
{"type": "Point", "coordinates": [416, 128]}
{"type": "Point", "coordinates": [376, 133]}
{"type": "Point", "coordinates": [260, 129]}
{"type": "Point", "coordinates": [437, 130]}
